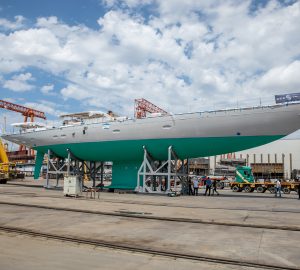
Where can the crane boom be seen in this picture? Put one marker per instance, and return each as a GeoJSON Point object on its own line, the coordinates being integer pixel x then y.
{"type": "Point", "coordinates": [25, 111]}
{"type": "Point", "coordinates": [142, 106]}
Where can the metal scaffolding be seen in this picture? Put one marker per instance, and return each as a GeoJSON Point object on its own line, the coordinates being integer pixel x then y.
{"type": "Point", "coordinates": [170, 176]}
{"type": "Point", "coordinates": [60, 167]}
{"type": "Point", "coordinates": [55, 166]}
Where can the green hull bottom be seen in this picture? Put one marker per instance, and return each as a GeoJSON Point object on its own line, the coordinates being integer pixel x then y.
{"type": "Point", "coordinates": [127, 155]}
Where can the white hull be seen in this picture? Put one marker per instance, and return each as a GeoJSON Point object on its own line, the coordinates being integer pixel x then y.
{"type": "Point", "coordinates": [261, 121]}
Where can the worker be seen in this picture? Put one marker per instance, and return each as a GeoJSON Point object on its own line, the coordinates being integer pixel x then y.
{"type": "Point", "coordinates": [191, 192]}
{"type": "Point", "coordinates": [208, 186]}
{"type": "Point", "coordinates": [214, 184]}
{"type": "Point", "coordinates": [196, 186]}
{"type": "Point", "coordinates": [278, 188]}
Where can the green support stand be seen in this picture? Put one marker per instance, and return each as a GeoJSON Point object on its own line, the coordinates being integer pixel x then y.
{"type": "Point", "coordinates": [124, 175]}
{"type": "Point", "coordinates": [38, 164]}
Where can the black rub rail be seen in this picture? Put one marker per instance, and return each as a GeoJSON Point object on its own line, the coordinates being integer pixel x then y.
{"type": "Point", "coordinates": [144, 250]}
{"type": "Point", "coordinates": [138, 215]}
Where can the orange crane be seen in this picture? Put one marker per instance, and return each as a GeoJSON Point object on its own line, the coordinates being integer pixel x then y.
{"type": "Point", "coordinates": [142, 106]}
{"type": "Point", "coordinates": [25, 111]}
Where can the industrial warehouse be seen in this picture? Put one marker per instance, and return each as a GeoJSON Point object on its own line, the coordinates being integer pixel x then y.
{"type": "Point", "coordinates": [279, 159]}
{"type": "Point", "coordinates": [149, 135]}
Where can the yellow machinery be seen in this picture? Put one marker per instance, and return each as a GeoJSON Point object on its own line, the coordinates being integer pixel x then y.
{"type": "Point", "coordinates": [7, 169]}
{"type": "Point", "coordinates": [4, 175]}
{"type": "Point", "coordinates": [3, 155]}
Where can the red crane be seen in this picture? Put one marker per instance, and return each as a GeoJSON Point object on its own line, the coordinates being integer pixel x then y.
{"type": "Point", "coordinates": [25, 111]}
{"type": "Point", "coordinates": [142, 106]}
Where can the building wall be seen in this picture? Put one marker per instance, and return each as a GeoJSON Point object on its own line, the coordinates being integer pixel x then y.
{"type": "Point", "coordinates": [286, 151]}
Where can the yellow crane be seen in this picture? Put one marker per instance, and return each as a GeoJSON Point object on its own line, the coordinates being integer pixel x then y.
{"type": "Point", "coordinates": [3, 155]}
{"type": "Point", "coordinates": [7, 169]}
{"type": "Point", "coordinates": [4, 175]}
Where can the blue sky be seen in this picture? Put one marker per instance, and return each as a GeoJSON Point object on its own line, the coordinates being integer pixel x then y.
{"type": "Point", "coordinates": [72, 12]}
{"type": "Point", "coordinates": [79, 55]}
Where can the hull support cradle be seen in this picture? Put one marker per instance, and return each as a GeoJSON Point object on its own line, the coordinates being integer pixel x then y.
{"type": "Point", "coordinates": [163, 177]}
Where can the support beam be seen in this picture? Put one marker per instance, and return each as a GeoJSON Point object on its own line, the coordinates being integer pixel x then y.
{"type": "Point", "coordinates": [48, 165]}
{"type": "Point", "coordinates": [101, 175]}
{"type": "Point", "coordinates": [159, 176]}
{"type": "Point", "coordinates": [88, 169]}
{"type": "Point", "coordinates": [55, 166]}
{"type": "Point", "coordinates": [38, 164]}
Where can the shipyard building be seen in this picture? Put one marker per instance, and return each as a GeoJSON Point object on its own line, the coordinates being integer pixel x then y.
{"type": "Point", "coordinates": [279, 159]}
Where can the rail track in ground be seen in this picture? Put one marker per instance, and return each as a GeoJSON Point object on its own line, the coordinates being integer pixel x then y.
{"type": "Point", "coordinates": [148, 216]}
{"type": "Point", "coordinates": [32, 194]}
{"type": "Point", "coordinates": [143, 250]}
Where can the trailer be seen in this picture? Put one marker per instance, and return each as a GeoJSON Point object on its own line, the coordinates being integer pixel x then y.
{"type": "Point", "coordinates": [244, 181]}
{"type": "Point", "coordinates": [222, 181]}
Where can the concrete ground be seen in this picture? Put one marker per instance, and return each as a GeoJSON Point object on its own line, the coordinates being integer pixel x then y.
{"type": "Point", "coordinates": [263, 245]}
{"type": "Point", "coordinates": [21, 252]}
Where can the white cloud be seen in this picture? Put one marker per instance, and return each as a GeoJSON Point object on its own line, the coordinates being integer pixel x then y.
{"type": "Point", "coordinates": [282, 78]}
{"type": "Point", "coordinates": [19, 83]}
{"type": "Point", "coordinates": [192, 55]}
{"type": "Point", "coordinates": [75, 92]}
{"type": "Point", "coordinates": [7, 119]}
{"type": "Point", "coordinates": [128, 3]}
{"type": "Point", "coordinates": [12, 25]}
{"type": "Point", "coordinates": [46, 89]}
{"type": "Point", "coordinates": [49, 108]}
{"type": "Point", "coordinates": [12, 100]}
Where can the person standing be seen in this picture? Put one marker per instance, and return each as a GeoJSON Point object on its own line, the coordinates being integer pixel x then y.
{"type": "Point", "coordinates": [191, 192]}
{"type": "Point", "coordinates": [299, 190]}
{"type": "Point", "coordinates": [208, 186]}
{"type": "Point", "coordinates": [196, 186]}
{"type": "Point", "coordinates": [278, 188]}
{"type": "Point", "coordinates": [214, 185]}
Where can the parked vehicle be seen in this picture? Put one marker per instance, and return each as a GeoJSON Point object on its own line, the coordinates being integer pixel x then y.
{"type": "Point", "coordinates": [244, 181]}
{"type": "Point", "coordinates": [222, 181]}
